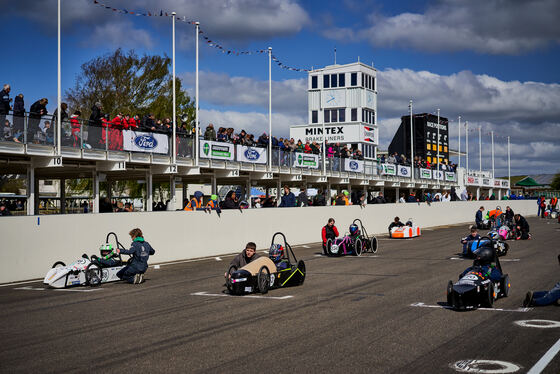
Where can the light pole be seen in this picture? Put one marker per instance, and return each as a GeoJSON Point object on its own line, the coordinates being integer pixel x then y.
{"type": "Point", "coordinates": [459, 148]}
{"type": "Point", "coordinates": [411, 140]}
{"type": "Point", "coordinates": [196, 146]}
{"type": "Point", "coordinates": [270, 108]}
{"type": "Point", "coordinates": [492, 133]}
{"type": "Point", "coordinates": [479, 149]}
{"type": "Point", "coordinates": [59, 93]}
{"type": "Point", "coordinates": [174, 122]}
{"type": "Point", "coordinates": [467, 145]}
{"type": "Point", "coordinates": [509, 167]}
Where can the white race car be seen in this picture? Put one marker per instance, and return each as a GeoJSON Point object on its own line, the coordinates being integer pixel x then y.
{"type": "Point", "coordinates": [85, 271]}
{"type": "Point", "coordinates": [407, 231]}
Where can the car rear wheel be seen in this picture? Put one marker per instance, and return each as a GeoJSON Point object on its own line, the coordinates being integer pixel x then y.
{"type": "Point", "coordinates": [58, 264]}
{"type": "Point", "coordinates": [505, 286]}
{"type": "Point", "coordinates": [328, 247]}
{"type": "Point", "coordinates": [450, 294]}
{"type": "Point", "coordinates": [263, 279]}
{"type": "Point", "coordinates": [373, 244]}
{"type": "Point", "coordinates": [232, 269]}
{"type": "Point", "coordinates": [488, 297]}
{"type": "Point", "coordinates": [358, 247]}
{"type": "Point", "coordinates": [301, 267]}
{"type": "Point", "coordinates": [93, 275]}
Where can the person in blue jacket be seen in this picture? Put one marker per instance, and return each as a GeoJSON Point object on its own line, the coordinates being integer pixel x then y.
{"type": "Point", "coordinates": [542, 298]}
{"type": "Point", "coordinates": [478, 218]}
{"type": "Point", "coordinates": [467, 242]}
{"type": "Point", "coordinates": [288, 199]}
{"type": "Point", "coordinates": [140, 250]}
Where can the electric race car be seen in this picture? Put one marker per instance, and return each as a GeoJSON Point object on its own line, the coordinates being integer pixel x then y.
{"type": "Point", "coordinates": [85, 271]}
{"type": "Point", "coordinates": [481, 284]}
{"type": "Point", "coordinates": [501, 247]}
{"type": "Point", "coordinates": [405, 232]}
{"type": "Point", "coordinates": [355, 243]}
{"type": "Point", "coordinates": [280, 269]}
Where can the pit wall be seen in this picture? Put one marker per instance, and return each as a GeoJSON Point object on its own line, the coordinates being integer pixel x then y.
{"type": "Point", "coordinates": [31, 244]}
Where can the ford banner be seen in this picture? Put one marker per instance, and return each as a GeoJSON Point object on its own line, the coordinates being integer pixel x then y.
{"type": "Point", "coordinates": [404, 171]}
{"type": "Point", "coordinates": [216, 150]}
{"type": "Point", "coordinates": [252, 155]}
{"type": "Point", "coordinates": [356, 166]}
{"type": "Point", "coordinates": [136, 141]}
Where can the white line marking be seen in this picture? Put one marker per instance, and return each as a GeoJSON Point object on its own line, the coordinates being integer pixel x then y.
{"type": "Point", "coordinates": [545, 360]}
{"type": "Point", "coordinates": [538, 323]}
{"type": "Point", "coordinates": [422, 305]}
{"type": "Point", "coordinates": [306, 246]}
{"type": "Point", "coordinates": [58, 289]}
{"type": "Point", "coordinates": [218, 259]}
{"type": "Point", "coordinates": [349, 256]}
{"type": "Point", "coordinates": [18, 283]}
{"type": "Point", "coordinates": [501, 259]}
{"type": "Point", "coordinates": [477, 366]}
{"type": "Point", "coordinates": [249, 296]}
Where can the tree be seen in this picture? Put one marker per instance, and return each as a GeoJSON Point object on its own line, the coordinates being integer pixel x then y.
{"type": "Point", "coordinates": [556, 182]}
{"type": "Point", "coordinates": [131, 84]}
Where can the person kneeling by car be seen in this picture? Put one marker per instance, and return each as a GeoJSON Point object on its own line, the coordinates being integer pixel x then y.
{"type": "Point", "coordinates": [329, 231]}
{"type": "Point", "coordinates": [140, 251]}
{"type": "Point", "coordinates": [542, 298]}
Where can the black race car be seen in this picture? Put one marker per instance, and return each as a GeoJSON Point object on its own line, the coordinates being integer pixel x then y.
{"type": "Point", "coordinates": [481, 284]}
{"type": "Point", "coordinates": [280, 269]}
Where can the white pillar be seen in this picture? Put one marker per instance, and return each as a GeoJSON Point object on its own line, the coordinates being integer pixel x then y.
{"type": "Point", "coordinates": [214, 186]}
{"type": "Point", "coordinates": [438, 140]}
{"type": "Point", "coordinates": [269, 108]}
{"type": "Point", "coordinates": [248, 193]}
{"type": "Point", "coordinates": [411, 142]}
{"type": "Point", "coordinates": [59, 93]}
{"type": "Point", "coordinates": [174, 142]}
{"type": "Point", "coordinates": [173, 198]}
{"type": "Point", "coordinates": [459, 147]}
{"type": "Point", "coordinates": [149, 192]}
{"type": "Point", "coordinates": [278, 190]}
{"type": "Point", "coordinates": [196, 145]}
{"type": "Point", "coordinates": [397, 194]}
{"type": "Point", "coordinates": [478, 193]}
{"type": "Point", "coordinates": [31, 191]}
{"type": "Point", "coordinates": [499, 194]}
{"type": "Point", "coordinates": [95, 207]}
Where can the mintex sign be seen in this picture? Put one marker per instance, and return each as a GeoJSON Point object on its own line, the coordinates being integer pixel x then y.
{"type": "Point", "coordinates": [352, 133]}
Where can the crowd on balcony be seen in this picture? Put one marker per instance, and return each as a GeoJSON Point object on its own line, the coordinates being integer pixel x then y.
{"type": "Point", "coordinates": [419, 162]}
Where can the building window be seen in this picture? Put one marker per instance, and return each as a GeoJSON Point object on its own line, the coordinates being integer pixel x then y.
{"type": "Point", "coordinates": [314, 81]}
{"type": "Point", "coordinates": [326, 81]}
{"type": "Point", "coordinates": [314, 116]}
{"type": "Point", "coordinates": [370, 81]}
{"type": "Point", "coordinates": [354, 114]}
{"type": "Point", "coordinates": [341, 80]}
{"type": "Point", "coordinates": [354, 79]}
{"type": "Point", "coordinates": [373, 83]}
{"type": "Point", "coordinates": [334, 116]}
{"type": "Point", "coordinates": [327, 116]}
{"type": "Point", "coordinates": [333, 80]}
{"type": "Point", "coordinates": [363, 80]}
{"type": "Point", "coordinates": [342, 115]}
{"type": "Point", "coordinates": [368, 116]}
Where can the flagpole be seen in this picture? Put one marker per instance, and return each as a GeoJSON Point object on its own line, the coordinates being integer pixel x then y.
{"type": "Point", "coordinates": [479, 149]}
{"type": "Point", "coordinates": [196, 100]}
{"type": "Point", "coordinates": [270, 108]}
{"type": "Point", "coordinates": [174, 122]}
{"type": "Point", "coordinates": [467, 145]}
{"type": "Point", "coordinates": [509, 167]}
{"type": "Point", "coordinates": [411, 141]}
{"type": "Point", "coordinates": [459, 150]}
{"type": "Point", "coordinates": [59, 93]}
{"type": "Point", "coordinates": [492, 132]}
{"type": "Point", "coordinates": [438, 143]}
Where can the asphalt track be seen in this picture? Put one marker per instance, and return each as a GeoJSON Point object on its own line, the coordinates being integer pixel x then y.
{"type": "Point", "coordinates": [371, 314]}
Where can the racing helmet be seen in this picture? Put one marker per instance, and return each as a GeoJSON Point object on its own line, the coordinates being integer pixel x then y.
{"type": "Point", "coordinates": [354, 229]}
{"type": "Point", "coordinates": [276, 252]}
{"type": "Point", "coordinates": [409, 222]}
{"type": "Point", "coordinates": [494, 235]}
{"type": "Point", "coordinates": [105, 249]}
{"type": "Point", "coordinates": [484, 256]}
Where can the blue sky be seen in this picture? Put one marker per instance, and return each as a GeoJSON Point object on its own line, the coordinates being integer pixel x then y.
{"type": "Point", "coordinates": [492, 62]}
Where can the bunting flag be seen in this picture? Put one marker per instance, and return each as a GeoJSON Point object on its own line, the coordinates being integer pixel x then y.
{"type": "Point", "coordinates": [209, 42]}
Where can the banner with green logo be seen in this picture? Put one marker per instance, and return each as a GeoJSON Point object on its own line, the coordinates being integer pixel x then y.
{"type": "Point", "coordinates": [389, 169]}
{"type": "Point", "coordinates": [425, 173]}
{"type": "Point", "coordinates": [449, 177]}
{"type": "Point", "coordinates": [305, 160]}
{"type": "Point", "coordinates": [216, 150]}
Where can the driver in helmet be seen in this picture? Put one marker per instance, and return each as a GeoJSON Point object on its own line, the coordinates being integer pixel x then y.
{"type": "Point", "coordinates": [484, 257]}
{"type": "Point", "coordinates": [467, 241]}
{"type": "Point", "coordinates": [354, 230]}
{"type": "Point", "coordinates": [108, 258]}
{"type": "Point", "coordinates": [276, 254]}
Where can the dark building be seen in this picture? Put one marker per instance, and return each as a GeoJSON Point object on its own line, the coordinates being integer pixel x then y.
{"type": "Point", "coordinates": [425, 137]}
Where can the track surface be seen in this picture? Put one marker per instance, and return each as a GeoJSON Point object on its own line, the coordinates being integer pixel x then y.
{"type": "Point", "coordinates": [351, 315]}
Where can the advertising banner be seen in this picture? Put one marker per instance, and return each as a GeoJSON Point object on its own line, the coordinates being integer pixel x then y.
{"type": "Point", "coordinates": [343, 133]}
{"type": "Point", "coordinates": [389, 169]}
{"type": "Point", "coordinates": [404, 171]}
{"type": "Point", "coordinates": [305, 160]}
{"type": "Point", "coordinates": [505, 183]}
{"type": "Point", "coordinates": [356, 166]}
{"type": "Point", "coordinates": [449, 177]}
{"type": "Point", "coordinates": [497, 183]}
{"type": "Point", "coordinates": [487, 182]}
{"type": "Point", "coordinates": [425, 173]}
{"type": "Point", "coordinates": [136, 141]}
{"type": "Point", "coordinates": [473, 180]}
{"type": "Point", "coordinates": [253, 155]}
{"type": "Point", "coordinates": [437, 174]}
{"type": "Point", "coordinates": [216, 150]}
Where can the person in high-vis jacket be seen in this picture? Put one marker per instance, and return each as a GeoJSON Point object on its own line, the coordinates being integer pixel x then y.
{"type": "Point", "coordinates": [196, 202]}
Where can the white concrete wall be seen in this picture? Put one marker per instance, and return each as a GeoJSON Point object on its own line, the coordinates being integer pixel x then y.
{"type": "Point", "coordinates": [31, 244]}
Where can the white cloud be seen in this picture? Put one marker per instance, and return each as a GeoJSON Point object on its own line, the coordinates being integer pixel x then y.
{"type": "Point", "coordinates": [485, 26]}
{"type": "Point", "coordinates": [122, 34]}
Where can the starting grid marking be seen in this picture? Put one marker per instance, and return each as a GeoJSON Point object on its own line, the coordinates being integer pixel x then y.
{"type": "Point", "coordinates": [246, 296]}
{"type": "Point", "coordinates": [58, 289]}
{"type": "Point", "coordinates": [521, 310]}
